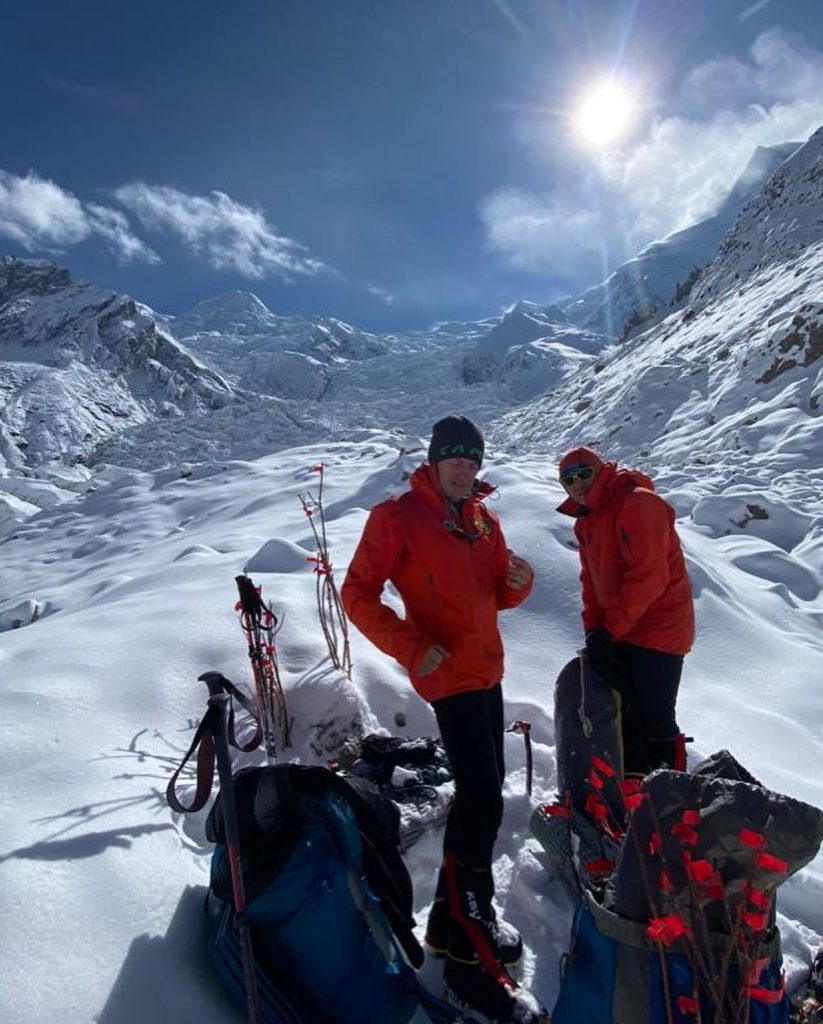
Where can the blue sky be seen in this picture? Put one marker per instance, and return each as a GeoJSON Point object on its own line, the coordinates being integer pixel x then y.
{"type": "Point", "coordinates": [390, 162]}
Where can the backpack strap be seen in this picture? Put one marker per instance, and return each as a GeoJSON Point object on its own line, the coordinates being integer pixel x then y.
{"type": "Point", "coordinates": [435, 1010]}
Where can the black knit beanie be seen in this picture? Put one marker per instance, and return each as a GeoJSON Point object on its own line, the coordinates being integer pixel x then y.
{"type": "Point", "coordinates": [456, 437]}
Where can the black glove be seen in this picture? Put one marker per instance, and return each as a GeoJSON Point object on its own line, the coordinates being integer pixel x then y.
{"type": "Point", "coordinates": [600, 651]}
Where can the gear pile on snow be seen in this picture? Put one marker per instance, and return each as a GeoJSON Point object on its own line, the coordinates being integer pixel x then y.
{"type": "Point", "coordinates": [807, 1005]}
{"type": "Point", "coordinates": [413, 773]}
{"type": "Point", "coordinates": [677, 877]}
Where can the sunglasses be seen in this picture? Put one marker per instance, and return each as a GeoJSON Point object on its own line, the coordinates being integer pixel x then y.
{"type": "Point", "coordinates": [569, 476]}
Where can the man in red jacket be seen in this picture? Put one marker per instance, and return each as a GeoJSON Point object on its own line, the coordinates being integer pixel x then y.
{"type": "Point", "coordinates": [445, 554]}
{"type": "Point", "coordinates": [638, 613]}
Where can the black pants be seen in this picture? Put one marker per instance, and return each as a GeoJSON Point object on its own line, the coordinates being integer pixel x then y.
{"type": "Point", "coordinates": [471, 727]}
{"type": "Point", "coordinates": [647, 681]}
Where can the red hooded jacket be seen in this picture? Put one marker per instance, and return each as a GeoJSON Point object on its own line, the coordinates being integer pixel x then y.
{"type": "Point", "coordinates": [450, 572]}
{"type": "Point", "coordinates": [633, 574]}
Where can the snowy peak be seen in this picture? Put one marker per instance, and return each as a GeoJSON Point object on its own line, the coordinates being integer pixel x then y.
{"type": "Point", "coordinates": [235, 312]}
{"type": "Point", "coordinates": [530, 349]}
{"type": "Point", "coordinates": [79, 363]}
{"type": "Point", "coordinates": [30, 277]}
{"type": "Point", "coordinates": [240, 337]}
{"type": "Point", "coordinates": [526, 321]}
{"type": "Point", "coordinates": [763, 163]}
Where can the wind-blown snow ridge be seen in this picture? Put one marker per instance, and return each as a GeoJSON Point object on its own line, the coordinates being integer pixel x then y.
{"type": "Point", "coordinates": [648, 283]}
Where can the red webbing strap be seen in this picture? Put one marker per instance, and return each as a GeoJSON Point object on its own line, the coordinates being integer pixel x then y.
{"type": "Point", "coordinates": [767, 995]}
{"type": "Point", "coordinates": [666, 929]}
{"type": "Point", "coordinates": [769, 862]}
{"type": "Point", "coordinates": [203, 742]}
{"type": "Point", "coordinates": [601, 866]}
{"type": "Point", "coordinates": [756, 840]}
{"type": "Point", "coordinates": [755, 991]}
{"type": "Point", "coordinates": [554, 810]}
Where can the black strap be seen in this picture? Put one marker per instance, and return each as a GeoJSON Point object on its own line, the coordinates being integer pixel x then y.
{"type": "Point", "coordinates": [204, 744]}
{"type": "Point", "coordinates": [247, 706]}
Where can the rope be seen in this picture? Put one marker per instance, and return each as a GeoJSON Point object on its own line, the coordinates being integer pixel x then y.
{"type": "Point", "coordinates": [333, 620]}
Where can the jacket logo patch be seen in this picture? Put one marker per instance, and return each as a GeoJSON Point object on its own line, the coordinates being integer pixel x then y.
{"type": "Point", "coordinates": [482, 525]}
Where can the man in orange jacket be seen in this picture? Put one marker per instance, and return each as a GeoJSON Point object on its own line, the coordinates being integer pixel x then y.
{"type": "Point", "coordinates": [638, 612]}
{"type": "Point", "coordinates": [445, 553]}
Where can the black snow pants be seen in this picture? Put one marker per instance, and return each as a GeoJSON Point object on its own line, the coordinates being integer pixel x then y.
{"type": "Point", "coordinates": [647, 681]}
{"type": "Point", "coordinates": [471, 727]}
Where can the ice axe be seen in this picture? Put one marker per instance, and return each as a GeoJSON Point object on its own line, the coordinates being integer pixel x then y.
{"type": "Point", "coordinates": [524, 727]}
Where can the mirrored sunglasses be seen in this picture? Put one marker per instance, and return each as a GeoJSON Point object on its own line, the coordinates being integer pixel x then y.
{"type": "Point", "coordinates": [573, 473]}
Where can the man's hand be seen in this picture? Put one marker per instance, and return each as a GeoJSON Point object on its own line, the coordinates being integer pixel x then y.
{"type": "Point", "coordinates": [431, 660]}
{"type": "Point", "coordinates": [519, 572]}
{"type": "Point", "coordinates": [600, 650]}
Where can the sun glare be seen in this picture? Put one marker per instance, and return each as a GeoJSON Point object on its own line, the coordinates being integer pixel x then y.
{"type": "Point", "coordinates": [604, 113]}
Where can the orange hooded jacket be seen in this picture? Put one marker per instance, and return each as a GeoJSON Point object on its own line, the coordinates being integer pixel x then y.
{"type": "Point", "coordinates": [633, 574]}
{"type": "Point", "coordinates": [450, 572]}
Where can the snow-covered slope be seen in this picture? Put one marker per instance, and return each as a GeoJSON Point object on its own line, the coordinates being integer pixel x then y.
{"type": "Point", "coordinates": [527, 321]}
{"type": "Point", "coordinates": [647, 283]}
{"type": "Point", "coordinates": [126, 595]}
{"type": "Point", "coordinates": [781, 226]}
{"type": "Point", "coordinates": [78, 364]}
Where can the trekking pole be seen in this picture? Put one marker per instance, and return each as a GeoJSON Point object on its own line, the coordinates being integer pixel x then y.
{"type": "Point", "coordinates": [524, 727]}
{"type": "Point", "coordinates": [218, 700]}
{"type": "Point", "coordinates": [258, 622]}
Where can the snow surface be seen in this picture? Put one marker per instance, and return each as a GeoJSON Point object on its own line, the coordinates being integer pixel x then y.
{"type": "Point", "coordinates": [102, 883]}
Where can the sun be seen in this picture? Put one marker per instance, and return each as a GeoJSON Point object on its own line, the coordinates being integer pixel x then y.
{"type": "Point", "coordinates": [605, 113]}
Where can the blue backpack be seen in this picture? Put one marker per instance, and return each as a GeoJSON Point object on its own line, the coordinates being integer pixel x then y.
{"type": "Point", "coordinates": [327, 911]}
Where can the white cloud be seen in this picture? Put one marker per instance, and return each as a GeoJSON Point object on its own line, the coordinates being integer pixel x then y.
{"type": "Point", "coordinates": [380, 293]}
{"type": "Point", "coordinates": [678, 174]}
{"type": "Point", "coordinates": [559, 232]}
{"type": "Point", "coordinates": [36, 213]}
{"type": "Point", "coordinates": [224, 232]}
{"type": "Point", "coordinates": [114, 226]}
{"type": "Point", "coordinates": [720, 83]}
